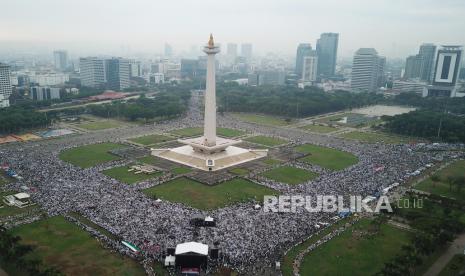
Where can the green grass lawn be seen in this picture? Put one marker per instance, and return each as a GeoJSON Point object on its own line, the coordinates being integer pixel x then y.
{"type": "Point", "coordinates": [239, 171]}
{"type": "Point", "coordinates": [357, 251]}
{"type": "Point", "coordinates": [99, 125]}
{"type": "Point", "coordinates": [122, 174]}
{"type": "Point", "coordinates": [288, 259]}
{"type": "Point", "coordinates": [266, 141]}
{"type": "Point", "coordinates": [206, 197]}
{"type": "Point", "coordinates": [318, 128]}
{"type": "Point", "coordinates": [151, 139]}
{"type": "Point", "coordinates": [63, 244]}
{"type": "Point", "coordinates": [455, 267]}
{"type": "Point", "coordinates": [90, 155]}
{"type": "Point", "coordinates": [149, 159]}
{"type": "Point", "coordinates": [290, 175]}
{"type": "Point", "coordinates": [372, 137]}
{"type": "Point", "coordinates": [261, 119]}
{"type": "Point", "coordinates": [327, 157]}
{"type": "Point", "coordinates": [180, 170]}
{"type": "Point", "coordinates": [229, 132]}
{"type": "Point", "coordinates": [188, 132]}
{"type": "Point", "coordinates": [442, 187]}
{"type": "Point", "coordinates": [12, 210]}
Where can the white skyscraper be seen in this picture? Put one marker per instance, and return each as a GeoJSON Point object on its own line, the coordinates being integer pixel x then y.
{"type": "Point", "coordinates": [309, 71]}
{"type": "Point", "coordinates": [92, 71]}
{"type": "Point", "coordinates": [5, 85]}
{"type": "Point", "coordinates": [367, 70]}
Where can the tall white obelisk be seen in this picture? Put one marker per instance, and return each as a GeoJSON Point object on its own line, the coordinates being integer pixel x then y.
{"type": "Point", "coordinates": [208, 152]}
{"type": "Point", "coordinates": [209, 130]}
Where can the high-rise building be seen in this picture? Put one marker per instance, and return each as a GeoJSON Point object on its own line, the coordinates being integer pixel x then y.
{"type": "Point", "coordinates": [303, 50]}
{"type": "Point", "coordinates": [92, 72]}
{"type": "Point", "coordinates": [60, 59]}
{"type": "Point", "coordinates": [420, 66]}
{"type": "Point", "coordinates": [5, 85]}
{"type": "Point", "coordinates": [118, 73]}
{"type": "Point", "coordinates": [271, 77]}
{"type": "Point", "coordinates": [427, 52]}
{"type": "Point", "coordinates": [135, 68]}
{"type": "Point", "coordinates": [246, 50]}
{"type": "Point", "coordinates": [231, 50]}
{"type": "Point", "coordinates": [367, 70]}
{"type": "Point", "coordinates": [326, 48]}
{"type": "Point", "coordinates": [413, 65]}
{"type": "Point", "coordinates": [168, 50]}
{"type": "Point", "coordinates": [309, 72]}
{"type": "Point", "coordinates": [41, 93]}
{"type": "Point", "coordinates": [446, 73]}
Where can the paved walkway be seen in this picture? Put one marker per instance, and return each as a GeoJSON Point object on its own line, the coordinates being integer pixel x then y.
{"type": "Point", "coordinates": [2, 272]}
{"type": "Point", "coordinates": [455, 248]}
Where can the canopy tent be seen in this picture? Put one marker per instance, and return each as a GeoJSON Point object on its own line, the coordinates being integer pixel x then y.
{"type": "Point", "coordinates": [191, 247]}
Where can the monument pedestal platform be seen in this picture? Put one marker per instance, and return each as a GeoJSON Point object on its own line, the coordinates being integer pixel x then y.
{"type": "Point", "coordinates": [209, 158]}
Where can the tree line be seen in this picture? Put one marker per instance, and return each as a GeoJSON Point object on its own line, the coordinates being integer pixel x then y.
{"type": "Point", "coordinates": [430, 124]}
{"type": "Point", "coordinates": [167, 104]}
{"type": "Point", "coordinates": [288, 101]}
{"type": "Point", "coordinates": [13, 119]}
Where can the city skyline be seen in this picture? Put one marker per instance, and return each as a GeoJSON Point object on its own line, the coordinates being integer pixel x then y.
{"type": "Point", "coordinates": [144, 26]}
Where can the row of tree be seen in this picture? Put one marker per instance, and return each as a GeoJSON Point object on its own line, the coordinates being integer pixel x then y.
{"type": "Point", "coordinates": [441, 104]}
{"type": "Point", "coordinates": [167, 104]}
{"type": "Point", "coordinates": [288, 101]}
{"type": "Point", "coordinates": [13, 119]}
{"type": "Point", "coordinates": [17, 256]}
{"type": "Point", "coordinates": [433, 125]}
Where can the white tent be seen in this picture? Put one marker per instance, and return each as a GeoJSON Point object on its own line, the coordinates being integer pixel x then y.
{"type": "Point", "coordinates": [191, 247]}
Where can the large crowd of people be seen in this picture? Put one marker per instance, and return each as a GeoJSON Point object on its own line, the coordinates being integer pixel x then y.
{"type": "Point", "coordinates": [248, 238]}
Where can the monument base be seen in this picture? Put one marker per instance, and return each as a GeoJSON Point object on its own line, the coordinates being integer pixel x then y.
{"type": "Point", "coordinates": [209, 160]}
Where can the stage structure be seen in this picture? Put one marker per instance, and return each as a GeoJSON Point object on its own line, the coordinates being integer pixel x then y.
{"type": "Point", "coordinates": [209, 152]}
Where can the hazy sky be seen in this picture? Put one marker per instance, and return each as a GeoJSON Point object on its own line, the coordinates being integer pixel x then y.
{"type": "Point", "coordinates": [394, 27]}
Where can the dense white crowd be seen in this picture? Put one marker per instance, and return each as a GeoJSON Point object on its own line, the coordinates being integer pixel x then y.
{"type": "Point", "coordinates": [248, 239]}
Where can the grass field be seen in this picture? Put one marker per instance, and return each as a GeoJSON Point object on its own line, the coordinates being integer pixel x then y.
{"type": "Point", "coordinates": [151, 139]}
{"type": "Point", "coordinates": [266, 141]}
{"type": "Point", "coordinates": [229, 132]}
{"type": "Point", "coordinates": [288, 259]}
{"type": "Point", "coordinates": [358, 250]}
{"type": "Point", "coordinates": [180, 170]}
{"type": "Point", "coordinates": [239, 171]}
{"type": "Point", "coordinates": [149, 159]}
{"type": "Point", "coordinates": [455, 267]}
{"type": "Point", "coordinates": [65, 245]}
{"type": "Point", "coordinates": [326, 157]}
{"type": "Point", "coordinates": [90, 155]}
{"type": "Point", "coordinates": [261, 119]}
{"type": "Point", "coordinates": [372, 137]}
{"type": "Point", "coordinates": [206, 197]}
{"type": "Point", "coordinates": [290, 175]}
{"type": "Point", "coordinates": [99, 125]}
{"type": "Point", "coordinates": [122, 174]}
{"type": "Point", "coordinates": [318, 128]}
{"type": "Point", "coordinates": [188, 132]}
{"type": "Point", "coordinates": [442, 187]}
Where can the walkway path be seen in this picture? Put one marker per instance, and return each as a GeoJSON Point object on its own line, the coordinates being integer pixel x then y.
{"type": "Point", "coordinates": [455, 248]}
